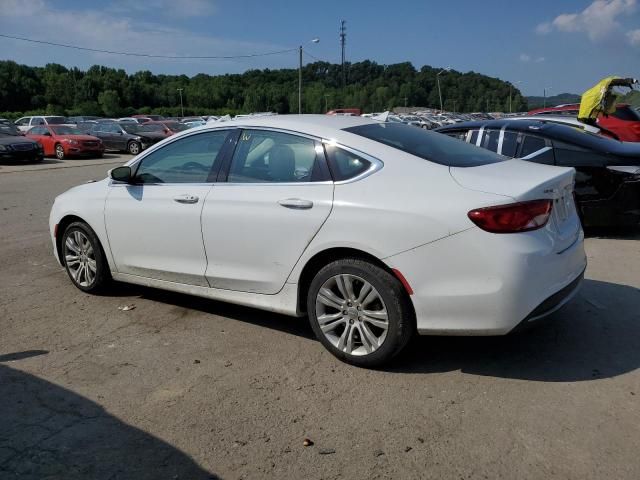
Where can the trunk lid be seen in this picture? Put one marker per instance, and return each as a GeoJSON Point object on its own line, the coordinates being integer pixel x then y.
{"type": "Point", "coordinates": [524, 181]}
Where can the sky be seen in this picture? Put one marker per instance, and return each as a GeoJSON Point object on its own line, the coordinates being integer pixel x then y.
{"type": "Point", "coordinates": [560, 46]}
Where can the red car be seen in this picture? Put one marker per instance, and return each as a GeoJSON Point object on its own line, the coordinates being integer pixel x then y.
{"type": "Point", "coordinates": [624, 122]}
{"type": "Point", "coordinates": [65, 141]}
{"type": "Point", "coordinates": [167, 127]}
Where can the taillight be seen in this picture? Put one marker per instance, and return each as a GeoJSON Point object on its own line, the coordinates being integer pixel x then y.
{"type": "Point", "coordinates": [513, 218]}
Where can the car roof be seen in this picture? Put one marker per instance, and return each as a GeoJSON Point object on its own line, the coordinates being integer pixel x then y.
{"type": "Point", "coordinates": [325, 126]}
{"type": "Point", "coordinates": [554, 131]}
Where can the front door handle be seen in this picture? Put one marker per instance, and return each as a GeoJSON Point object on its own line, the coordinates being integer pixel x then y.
{"type": "Point", "coordinates": [186, 198]}
{"type": "Point", "coordinates": [296, 203]}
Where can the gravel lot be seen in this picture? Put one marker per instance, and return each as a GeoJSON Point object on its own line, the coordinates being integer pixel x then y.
{"type": "Point", "coordinates": [182, 388]}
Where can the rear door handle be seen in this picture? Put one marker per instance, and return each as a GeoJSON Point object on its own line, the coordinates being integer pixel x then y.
{"type": "Point", "coordinates": [186, 198]}
{"type": "Point", "coordinates": [296, 203]}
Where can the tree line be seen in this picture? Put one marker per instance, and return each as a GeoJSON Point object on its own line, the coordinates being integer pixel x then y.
{"type": "Point", "coordinates": [105, 91]}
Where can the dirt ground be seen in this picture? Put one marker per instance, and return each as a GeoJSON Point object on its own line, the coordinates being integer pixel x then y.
{"type": "Point", "coordinates": [185, 388]}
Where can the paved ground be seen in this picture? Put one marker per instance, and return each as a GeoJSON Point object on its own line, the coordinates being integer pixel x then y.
{"type": "Point", "coordinates": [185, 388]}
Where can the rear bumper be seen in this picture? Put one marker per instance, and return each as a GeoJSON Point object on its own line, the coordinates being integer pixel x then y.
{"type": "Point", "coordinates": [621, 210]}
{"type": "Point", "coordinates": [476, 283]}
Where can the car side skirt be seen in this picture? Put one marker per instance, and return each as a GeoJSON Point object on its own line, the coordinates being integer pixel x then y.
{"type": "Point", "coordinates": [284, 302]}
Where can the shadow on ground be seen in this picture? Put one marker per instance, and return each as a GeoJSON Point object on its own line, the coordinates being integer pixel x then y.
{"type": "Point", "coordinates": [46, 161]}
{"type": "Point", "coordinates": [597, 335]}
{"type": "Point", "coordinates": [47, 431]}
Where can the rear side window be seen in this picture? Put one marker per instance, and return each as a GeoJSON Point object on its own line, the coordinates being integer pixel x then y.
{"type": "Point", "coordinates": [345, 165]}
{"type": "Point", "coordinates": [432, 146]}
{"type": "Point", "coordinates": [510, 144]}
{"type": "Point", "coordinates": [490, 140]}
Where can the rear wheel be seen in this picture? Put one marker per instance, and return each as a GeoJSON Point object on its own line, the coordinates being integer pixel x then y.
{"type": "Point", "coordinates": [59, 152]}
{"type": "Point", "coordinates": [83, 258]}
{"type": "Point", "coordinates": [134, 148]}
{"type": "Point", "coordinates": [360, 312]}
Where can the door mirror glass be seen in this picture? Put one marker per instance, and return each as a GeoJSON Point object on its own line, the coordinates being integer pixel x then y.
{"type": "Point", "coordinates": [46, 133]}
{"type": "Point", "coordinates": [121, 174]}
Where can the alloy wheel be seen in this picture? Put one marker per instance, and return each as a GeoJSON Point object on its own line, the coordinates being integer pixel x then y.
{"type": "Point", "coordinates": [80, 258]}
{"type": "Point", "coordinates": [351, 314]}
{"type": "Point", "coordinates": [60, 152]}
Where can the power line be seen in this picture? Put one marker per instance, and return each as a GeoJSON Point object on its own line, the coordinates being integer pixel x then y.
{"type": "Point", "coordinates": [148, 55]}
{"type": "Point", "coordinates": [314, 57]}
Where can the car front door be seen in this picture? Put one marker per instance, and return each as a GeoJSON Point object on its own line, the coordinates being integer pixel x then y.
{"type": "Point", "coordinates": [153, 223]}
{"type": "Point", "coordinates": [274, 195]}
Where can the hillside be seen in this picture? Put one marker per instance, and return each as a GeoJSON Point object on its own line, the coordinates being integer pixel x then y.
{"type": "Point", "coordinates": [562, 98]}
{"type": "Point", "coordinates": [372, 87]}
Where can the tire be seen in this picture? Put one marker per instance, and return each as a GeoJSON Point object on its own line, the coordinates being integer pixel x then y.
{"type": "Point", "coordinates": [134, 148]}
{"type": "Point", "coordinates": [59, 151]}
{"type": "Point", "coordinates": [351, 334]}
{"type": "Point", "coordinates": [80, 246]}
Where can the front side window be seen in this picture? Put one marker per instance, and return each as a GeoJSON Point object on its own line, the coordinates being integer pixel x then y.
{"type": "Point", "coordinates": [274, 157]}
{"type": "Point", "coordinates": [187, 160]}
{"type": "Point", "coordinates": [37, 121]}
{"type": "Point", "coordinates": [23, 122]}
{"type": "Point", "coordinates": [536, 149]}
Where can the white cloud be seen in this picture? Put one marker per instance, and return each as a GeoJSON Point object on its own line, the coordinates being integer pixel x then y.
{"type": "Point", "coordinates": [108, 30]}
{"type": "Point", "coordinates": [526, 58]}
{"type": "Point", "coordinates": [634, 37]}
{"type": "Point", "coordinates": [168, 8]}
{"type": "Point", "coordinates": [599, 20]}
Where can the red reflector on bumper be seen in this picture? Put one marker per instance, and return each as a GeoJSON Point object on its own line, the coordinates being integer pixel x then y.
{"type": "Point", "coordinates": [403, 280]}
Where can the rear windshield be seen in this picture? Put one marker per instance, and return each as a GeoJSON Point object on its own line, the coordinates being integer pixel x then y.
{"type": "Point", "coordinates": [56, 120]}
{"type": "Point", "coordinates": [431, 146]}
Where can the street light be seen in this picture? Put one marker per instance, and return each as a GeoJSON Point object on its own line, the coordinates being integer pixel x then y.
{"type": "Point", "coordinates": [510, 89]}
{"type": "Point", "coordinates": [326, 103]}
{"type": "Point", "coordinates": [181, 106]}
{"type": "Point", "coordinates": [315, 40]}
{"type": "Point", "coordinates": [544, 103]}
{"type": "Point", "coordinates": [440, 91]}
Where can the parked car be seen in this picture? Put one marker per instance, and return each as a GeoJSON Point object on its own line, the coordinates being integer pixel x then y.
{"type": "Point", "coordinates": [25, 123]}
{"type": "Point", "coordinates": [167, 127]}
{"type": "Point", "coordinates": [82, 118]}
{"type": "Point", "coordinates": [345, 111]}
{"type": "Point", "coordinates": [624, 122]}
{"type": "Point", "coordinates": [195, 123]}
{"type": "Point", "coordinates": [125, 137]}
{"type": "Point", "coordinates": [566, 120]}
{"type": "Point", "coordinates": [375, 230]}
{"type": "Point", "coordinates": [146, 118]}
{"type": "Point", "coordinates": [13, 146]}
{"type": "Point", "coordinates": [64, 141]}
{"type": "Point", "coordinates": [607, 171]}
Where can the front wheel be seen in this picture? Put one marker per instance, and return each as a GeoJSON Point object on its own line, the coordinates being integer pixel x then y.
{"type": "Point", "coordinates": [360, 312]}
{"type": "Point", "coordinates": [59, 152]}
{"type": "Point", "coordinates": [134, 148]}
{"type": "Point", "coordinates": [83, 258]}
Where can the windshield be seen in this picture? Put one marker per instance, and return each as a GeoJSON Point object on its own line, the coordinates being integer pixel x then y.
{"type": "Point", "coordinates": [431, 146]}
{"type": "Point", "coordinates": [176, 127]}
{"type": "Point", "coordinates": [627, 113]}
{"type": "Point", "coordinates": [64, 130]}
{"type": "Point", "coordinates": [7, 129]}
{"type": "Point", "coordinates": [56, 120]}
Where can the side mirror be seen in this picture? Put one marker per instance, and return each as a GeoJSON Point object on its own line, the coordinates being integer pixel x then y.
{"type": "Point", "coordinates": [47, 134]}
{"type": "Point", "coordinates": [121, 174]}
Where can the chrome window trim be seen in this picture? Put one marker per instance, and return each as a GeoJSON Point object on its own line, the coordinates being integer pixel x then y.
{"type": "Point", "coordinates": [536, 153]}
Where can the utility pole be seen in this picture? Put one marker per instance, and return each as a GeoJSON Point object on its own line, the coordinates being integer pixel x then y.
{"type": "Point", "coordinates": [343, 42]}
{"type": "Point", "coordinates": [326, 103]}
{"type": "Point", "coordinates": [405, 102]}
{"type": "Point", "coordinates": [181, 106]}
{"type": "Point", "coordinates": [300, 83]}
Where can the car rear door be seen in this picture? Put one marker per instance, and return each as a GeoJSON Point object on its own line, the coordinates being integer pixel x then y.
{"type": "Point", "coordinates": [274, 194]}
{"type": "Point", "coordinates": [153, 225]}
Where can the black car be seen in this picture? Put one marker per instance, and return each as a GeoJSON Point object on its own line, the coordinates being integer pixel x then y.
{"type": "Point", "coordinates": [13, 146]}
{"type": "Point", "coordinates": [607, 185]}
{"type": "Point", "coordinates": [124, 136]}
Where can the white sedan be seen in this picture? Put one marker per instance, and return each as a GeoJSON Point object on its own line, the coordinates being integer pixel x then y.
{"type": "Point", "coordinates": [374, 230]}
